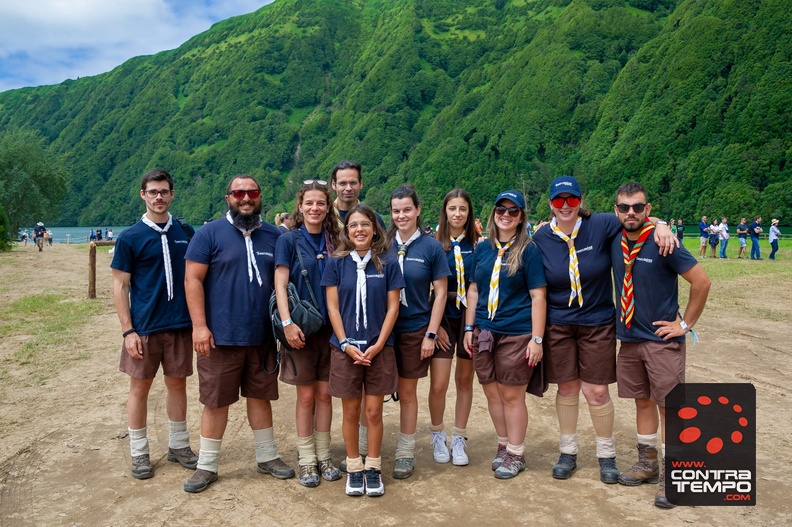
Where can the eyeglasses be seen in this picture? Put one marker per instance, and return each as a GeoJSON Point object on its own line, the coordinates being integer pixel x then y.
{"type": "Point", "coordinates": [572, 201]}
{"type": "Point", "coordinates": [500, 210]}
{"type": "Point", "coordinates": [317, 181]}
{"type": "Point", "coordinates": [637, 207]}
{"type": "Point", "coordinates": [239, 194]}
{"type": "Point", "coordinates": [151, 193]}
{"type": "Point", "coordinates": [362, 225]}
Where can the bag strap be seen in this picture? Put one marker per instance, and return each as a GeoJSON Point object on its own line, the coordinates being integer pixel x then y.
{"type": "Point", "coordinates": [303, 270]}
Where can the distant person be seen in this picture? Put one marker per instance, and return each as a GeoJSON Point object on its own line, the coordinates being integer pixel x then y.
{"type": "Point", "coordinates": [428, 230]}
{"type": "Point", "coordinates": [703, 236]}
{"type": "Point", "coordinates": [773, 237]}
{"type": "Point", "coordinates": [742, 237]}
{"type": "Point", "coordinates": [673, 225]}
{"type": "Point", "coordinates": [479, 228]}
{"type": "Point", "coordinates": [651, 359]}
{"type": "Point", "coordinates": [25, 237]}
{"type": "Point", "coordinates": [92, 236]}
{"type": "Point", "coordinates": [229, 280]}
{"type": "Point", "coordinates": [110, 235]}
{"type": "Point", "coordinates": [38, 234]}
{"type": "Point", "coordinates": [714, 237]}
{"type": "Point", "coordinates": [49, 238]}
{"type": "Point", "coordinates": [105, 234]}
{"type": "Point", "coordinates": [754, 230]}
{"type": "Point", "coordinates": [680, 231]}
{"type": "Point", "coordinates": [148, 292]}
{"type": "Point", "coordinates": [284, 222]}
{"type": "Point", "coordinates": [346, 179]}
{"type": "Point", "coordinates": [99, 234]}
{"type": "Point", "coordinates": [723, 236]}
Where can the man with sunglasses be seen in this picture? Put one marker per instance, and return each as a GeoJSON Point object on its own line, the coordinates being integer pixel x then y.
{"type": "Point", "coordinates": [347, 181]}
{"type": "Point", "coordinates": [148, 292]}
{"type": "Point", "coordinates": [229, 279]}
{"type": "Point", "coordinates": [651, 330]}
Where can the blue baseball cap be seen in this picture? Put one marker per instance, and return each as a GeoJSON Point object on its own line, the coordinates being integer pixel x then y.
{"type": "Point", "coordinates": [564, 185]}
{"type": "Point", "coordinates": [512, 195]}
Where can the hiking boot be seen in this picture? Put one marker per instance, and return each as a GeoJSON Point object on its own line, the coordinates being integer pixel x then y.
{"type": "Point", "coordinates": [276, 468]}
{"type": "Point", "coordinates": [404, 468]}
{"type": "Point", "coordinates": [566, 464]}
{"type": "Point", "coordinates": [499, 457]}
{"type": "Point", "coordinates": [661, 501]}
{"type": "Point", "coordinates": [374, 485]}
{"type": "Point", "coordinates": [141, 467]}
{"type": "Point", "coordinates": [511, 466]}
{"type": "Point", "coordinates": [309, 475]}
{"type": "Point", "coordinates": [329, 471]}
{"type": "Point", "coordinates": [184, 457]}
{"type": "Point", "coordinates": [343, 467]}
{"type": "Point", "coordinates": [355, 484]}
{"type": "Point", "coordinates": [645, 470]}
{"type": "Point", "coordinates": [459, 455]}
{"type": "Point", "coordinates": [199, 481]}
{"type": "Point", "coordinates": [441, 454]}
{"type": "Point", "coordinates": [609, 472]}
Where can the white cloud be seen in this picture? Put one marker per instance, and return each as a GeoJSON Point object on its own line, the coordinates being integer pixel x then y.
{"type": "Point", "coordinates": [49, 41]}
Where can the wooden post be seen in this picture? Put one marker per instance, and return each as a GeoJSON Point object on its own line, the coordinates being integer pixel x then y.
{"type": "Point", "coordinates": [92, 270]}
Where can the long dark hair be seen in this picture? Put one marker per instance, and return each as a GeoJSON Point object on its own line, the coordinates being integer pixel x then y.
{"type": "Point", "coordinates": [404, 191]}
{"type": "Point", "coordinates": [330, 225]}
{"type": "Point", "coordinates": [379, 244]}
{"type": "Point", "coordinates": [443, 234]}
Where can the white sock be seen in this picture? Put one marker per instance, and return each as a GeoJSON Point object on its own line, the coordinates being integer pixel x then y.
{"type": "Point", "coordinates": [264, 441]}
{"type": "Point", "coordinates": [649, 439]}
{"type": "Point", "coordinates": [405, 448]}
{"type": "Point", "coordinates": [138, 442]}
{"type": "Point", "coordinates": [178, 436]}
{"type": "Point", "coordinates": [517, 450]}
{"type": "Point", "coordinates": [606, 447]}
{"type": "Point", "coordinates": [322, 441]}
{"type": "Point", "coordinates": [306, 448]}
{"type": "Point", "coordinates": [209, 454]}
{"type": "Point", "coordinates": [568, 444]}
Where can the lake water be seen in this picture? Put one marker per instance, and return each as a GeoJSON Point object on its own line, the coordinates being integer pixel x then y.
{"type": "Point", "coordinates": [79, 234]}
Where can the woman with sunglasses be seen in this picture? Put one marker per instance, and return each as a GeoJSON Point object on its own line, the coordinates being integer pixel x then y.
{"type": "Point", "coordinates": [315, 235]}
{"type": "Point", "coordinates": [359, 276]}
{"type": "Point", "coordinates": [507, 284]}
{"type": "Point", "coordinates": [580, 339]}
{"type": "Point", "coordinates": [457, 232]}
{"type": "Point", "coordinates": [424, 266]}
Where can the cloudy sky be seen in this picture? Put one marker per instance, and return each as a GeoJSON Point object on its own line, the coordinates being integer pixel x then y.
{"type": "Point", "coordinates": [49, 41]}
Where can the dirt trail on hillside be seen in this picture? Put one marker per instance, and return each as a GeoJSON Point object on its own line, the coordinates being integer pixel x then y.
{"type": "Point", "coordinates": [65, 455]}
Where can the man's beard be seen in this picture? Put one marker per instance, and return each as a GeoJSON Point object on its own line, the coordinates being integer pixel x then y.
{"type": "Point", "coordinates": [246, 221]}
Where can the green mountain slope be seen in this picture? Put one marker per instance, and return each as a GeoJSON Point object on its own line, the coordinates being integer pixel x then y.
{"type": "Point", "coordinates": [691, 99]}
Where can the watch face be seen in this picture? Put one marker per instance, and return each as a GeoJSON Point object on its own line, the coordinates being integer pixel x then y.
{"type": "Point", "coordinates": [538, 340]}
{"type": "Point", "coordinates": [431, 335]}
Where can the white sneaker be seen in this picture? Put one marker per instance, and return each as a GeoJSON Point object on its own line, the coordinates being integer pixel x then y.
{"type": "Point", "coordinates": [459, 451]}
{"type": "Point", "coordinates": [441, 454]}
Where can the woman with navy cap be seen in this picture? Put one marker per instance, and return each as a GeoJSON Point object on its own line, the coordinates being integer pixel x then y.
{"type": "Point", "coordinates": [507, 283]}
{"type": "Point", "coordinates": [580, 339]}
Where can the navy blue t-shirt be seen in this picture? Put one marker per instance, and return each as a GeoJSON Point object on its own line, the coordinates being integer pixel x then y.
{"type": "Point", "coordinates": [424, 263]}
{"type": "Point", "coordinates": [655, 286]}
{"type": "Point", "coordinates": [342, 273]}
{"type": "Point", "coordinates": [286, 255]}
{"type": "Point", "coordinates": [138, 251]}
{"type": "Point", "coordinates": [702, 232]}
{"type": "Point", "coordinates": [751, 230]}
{"type": "Point", "coordinates": [237, 309]}
{"type": "Point", "coordinates": [451, 311]}
{"type": "Point", "coordinates": [742, 231]}
{"type": "Point", "coordinates": [592, 245]}
{"type": "Point", "coordinates": [513, 316]}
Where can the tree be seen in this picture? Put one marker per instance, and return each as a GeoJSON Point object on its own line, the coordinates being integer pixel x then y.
{"type": "Point", "coordinates": [32, 178]}
{"type": "Point", "coordinates": [6, 235]}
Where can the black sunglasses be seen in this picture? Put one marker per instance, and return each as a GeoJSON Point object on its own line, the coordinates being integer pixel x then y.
{"type": "Point", "coordinates": [637, 207]}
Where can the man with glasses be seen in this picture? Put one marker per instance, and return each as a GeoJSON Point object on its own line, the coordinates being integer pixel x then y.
{"type": "Point", "coordinates": [651, 360]}
{"type": "Point", "coordinates": [148, 291]}
{"type": "Point", "coordinates": [229, 279]}
{"type": "Point", "coordinates": [347, 181]}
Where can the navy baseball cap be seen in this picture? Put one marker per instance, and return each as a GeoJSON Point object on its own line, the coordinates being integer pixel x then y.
{"type": "Point", "coordinates": [564, 185]}
{"type": "Point", "coordinates": [513, 195]}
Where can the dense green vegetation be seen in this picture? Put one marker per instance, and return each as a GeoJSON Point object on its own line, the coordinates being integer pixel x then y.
{"type": "Point", "coordinates": [690, 97]}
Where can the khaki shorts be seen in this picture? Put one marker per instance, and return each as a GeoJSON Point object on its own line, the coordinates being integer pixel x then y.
{"type": "Point", "coordinates": [310, 364]}
{"type": "Point", "coordinates": [505, 363]}
{"type": "Point", "coordinates": [408, 354]}
{"type": "Point", "coordinates": [348, 379]}
{"type": "Point", "coordinates": [703, 241]}
{"type": "Point", "coordinates": [455, 328]}
{"type": "Point", "coordinates": [650, 369]}
{"type": "Point", "coordinates": [587, 353]}
{"type": "Point", "coordinates": [229, 370]}
{"type": "Point", "coordinates": [172, 349]}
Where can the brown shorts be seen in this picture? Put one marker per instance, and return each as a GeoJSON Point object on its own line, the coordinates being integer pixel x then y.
{"type": "Point", "coordinates": [408, 354]}
{"type": "Point", "coordinates": [172, 349]}
{"type": "Point", "coordinates": [231, 369]}
{"type": "Point", "coordinates": [650, 369]}
{"type": "Point", "coordinates": [455, 327]}
{"type": "Point", "coordinates": [505, 363]}
{"type": "Point", "coordinates": [347, 379]}
{"type": "Point", "coordinates": [310, 364]}
{"type": "Point", "coordinates": [574, 352]}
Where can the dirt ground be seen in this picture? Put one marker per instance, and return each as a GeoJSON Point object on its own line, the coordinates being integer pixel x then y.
{"type": "Point", "coordinates": [64, 456]}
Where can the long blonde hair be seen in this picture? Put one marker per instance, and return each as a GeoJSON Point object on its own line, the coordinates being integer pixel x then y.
{"type": "Point", "coordinates": [521, 241]}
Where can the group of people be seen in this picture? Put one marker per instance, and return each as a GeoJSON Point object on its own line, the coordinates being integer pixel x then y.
{"type": "Point", "coordinates": [399, 305]}
{"type": "Point", "coordinates": [96, 236]}
{"type": "Point", "coordinates": [716, 234]}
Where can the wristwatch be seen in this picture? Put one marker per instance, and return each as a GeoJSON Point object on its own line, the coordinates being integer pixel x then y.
{"type": "Point", "coordinates": [431, 335]}
{"type": "Point", "coordinates": [537, 339]}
